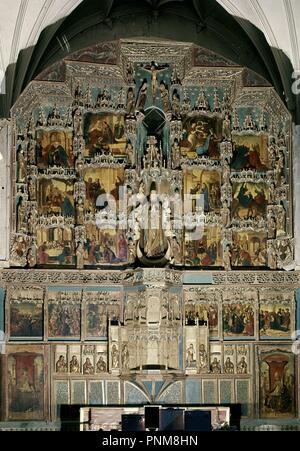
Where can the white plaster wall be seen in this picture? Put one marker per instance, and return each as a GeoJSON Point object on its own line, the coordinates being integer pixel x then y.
{"type": "Point", "coordinates": [5, 146]}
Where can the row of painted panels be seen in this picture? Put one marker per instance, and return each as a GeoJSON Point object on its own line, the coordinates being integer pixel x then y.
{"type": "Point", "coordinates": [73, 319]}
{"type": "Point", "coordinates": [26, 386]}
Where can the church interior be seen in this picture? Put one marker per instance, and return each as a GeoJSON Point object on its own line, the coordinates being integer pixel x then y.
{"type": "Point", "coordinates": [150, 203]}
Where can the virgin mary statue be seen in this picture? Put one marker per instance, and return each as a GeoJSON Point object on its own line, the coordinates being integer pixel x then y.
{"type": "Point", "coordinates": [154, 240]}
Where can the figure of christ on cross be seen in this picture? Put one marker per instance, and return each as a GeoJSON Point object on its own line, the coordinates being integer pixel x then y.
{"type": "Point", "coordinates": [154, 69]}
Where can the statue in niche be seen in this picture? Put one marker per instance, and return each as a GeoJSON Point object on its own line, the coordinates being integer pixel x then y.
{"type": "Point", "coordinates": [190, 356]}
{"type": "Point", "coordinates": [176, 105]}
{"type": "Point", "coordinates": [130, 154]}
{"type": "Point", "coordinates": [271, 227]}
{"type": "Point", "coordinates": [176, 154]}
{"type": "Point", "coordinates": [226, 128]}
{"type": "Point", "coordinates": [61, 365]}
{"type": "Point", "coordinates": [79, 164]}
{"type": "Point", "coordinates": [142, 97]}
{"type": "Point", "coordinates": [152, 158]}
{"type": "Point", "coordinates": [227, 258]}
{"type": "Point", "coordinates": [32, 189]}
{"type": "Point", "coordinates": [281, 220]}
{"type": "Point", "coordinates": [125, 357]}
{"type": "Point", "coordinates": [80, 212]}
{"type": "Point", "coordinates": [74, 365]}
{"type": "Point", "coordinates": [226, 173]}
{"type": "Point", "coordinates": [154, 240]}
{"type": "Point", "coordinates": [242, 367]}
{"type": "Point", "coordinates": [114, 357]}
{"type": "Point", "coordinates": [88, 368]}
{"type": "Point", "coordinates": [228, 366]}
{"type": "Point", "coordinates": [80, 255]}
{"type": "Point", "coordinates": [32, 152]}
{"type": "Point", "coordinates": [165, 99]}
{"type": "Point", "coordinates": [226, 215]}
{"type": "Point", "coordinates": [272, 257]}
{"type": "Point", "coordinates": [101, 366]}
{"type": "Point", "coordinates": [131, 250]}
{"type": "Point", "coordinates": [203, 358]}
{"type": "Point", "coordinates": [215, 366]}
{"type": "Point", "coordinates": [130, 108]}
{"type": "Point", "coordinates": [78, 122]}
{"type": "Point", "coordinates": [22, 170]}
{"type": "Point", "coordinates": [21, 213]}
{"type": "Point", "coordinates": [31, 224]}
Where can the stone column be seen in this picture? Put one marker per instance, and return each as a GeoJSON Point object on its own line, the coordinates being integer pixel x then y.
{"type": "Point", "coordinates": [5, 189]}
{"type": "Point", "coordinates": [296, 192]}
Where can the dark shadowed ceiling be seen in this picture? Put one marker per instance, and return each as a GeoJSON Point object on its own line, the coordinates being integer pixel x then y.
{"type": "Point", "coordinates": [78, 24]}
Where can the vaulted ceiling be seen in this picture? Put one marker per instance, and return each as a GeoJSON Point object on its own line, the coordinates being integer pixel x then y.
{"type": "Point", "coordinates": [261, 34]}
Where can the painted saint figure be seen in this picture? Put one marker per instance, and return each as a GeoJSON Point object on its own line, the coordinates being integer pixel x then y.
{"type": "Point", "coordinates": [101, 365]}
{"type": "Point", "coordinates": [228, 366]}
{"type": "Point", "coordinates": [88, 368]}
{"type": "Point", "coordinates": [61, 366]}
{"type": "Point", "coordinates": [74, 365]}
{"type": "Point", "coordinates": [114, 357]}
{"type": "Point", "coordinates": [242, 367]}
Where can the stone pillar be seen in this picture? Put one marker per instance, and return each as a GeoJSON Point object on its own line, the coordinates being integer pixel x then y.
{"type": "Point", "coordinates": [5, 189]}
{"type": "Point", "coordinates": [296, 192]}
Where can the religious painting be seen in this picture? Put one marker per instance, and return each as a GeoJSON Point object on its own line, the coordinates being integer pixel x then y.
{"type": "Point", "coordinates": [206, 184]}
{"type": "Point", "coordinates": [101, 359]}
{"type": "Point", "coordinates": [250, 152]}
{"type": "Point", "coordinates": [249, 249]}
{"type": "Point", "coordinates": [206, 252]}
{"type": "Point", "coordinates": [198, 313]}
{"type": "Point", "coordinates": [56, 197]}
{"type": "Point", "coordinates": [55, 246]}
{"type": "Point", "coordinates": [277, 384]}
{"type": "Point", "coordinates": [64, 318]}
{"type": "Point", "coordinates": [101, 182]}
{"type": "Point", "coordinates": [201, 137]}
{"type": "Point", "coordinates": [243, 363]}
{"type": "Point", "coordinates": [54, 148]}
{"type": "Point", "coordinates": [61, 359]}
{"type": "Point", "coordinates": [238, 320]}
{"type": "Point", "coordinates": [26, 319]}
{"type": "Point", "coordinates": [75, 360]}
{"type": "Point", "coordinates": [153, 82]}
{"type": "Point", "coordinates": [26, 384]}
{"type": "Point", "coordinates": [96, 320]}
{"type": "Point", "coordinates": [275, 320]}
{"type": "Point", "coordinates": [104, 247]}
{"type": "Point", "coordinates": [250, 200]}
{"type": "Point", "coordinates": [104, 134]}
{"type": "Point", "coordinates": [229, 359]}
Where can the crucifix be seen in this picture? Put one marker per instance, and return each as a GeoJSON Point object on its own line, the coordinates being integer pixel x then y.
{"type": "Point", "coordinates": [154, 69]}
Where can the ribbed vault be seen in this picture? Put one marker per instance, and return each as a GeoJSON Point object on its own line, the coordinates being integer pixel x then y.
{"type": "Point", "coordinates": [205, 23]}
